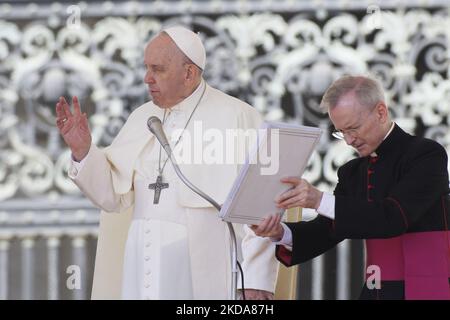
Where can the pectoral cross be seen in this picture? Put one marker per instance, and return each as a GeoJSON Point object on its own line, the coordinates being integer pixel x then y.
{"type": "Point", "coordinates": [158, 186]}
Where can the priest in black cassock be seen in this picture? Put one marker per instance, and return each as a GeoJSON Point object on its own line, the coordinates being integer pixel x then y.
{"type": "Point", "coordinates": [395, 195]}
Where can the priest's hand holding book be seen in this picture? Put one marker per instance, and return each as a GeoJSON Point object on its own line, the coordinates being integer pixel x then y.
{"type": "Point", "coordinates": [302, 194]}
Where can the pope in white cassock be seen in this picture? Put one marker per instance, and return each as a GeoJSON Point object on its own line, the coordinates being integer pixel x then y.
{"type": "Point", "coordinates": [157, 238]}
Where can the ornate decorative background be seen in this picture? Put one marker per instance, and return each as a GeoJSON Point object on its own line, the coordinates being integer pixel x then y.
{"type": "Point", "coordinates": [279, 56]}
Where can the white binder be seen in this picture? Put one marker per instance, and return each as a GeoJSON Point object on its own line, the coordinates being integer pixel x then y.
{"type": "Point", "coordinates": [251, 198]}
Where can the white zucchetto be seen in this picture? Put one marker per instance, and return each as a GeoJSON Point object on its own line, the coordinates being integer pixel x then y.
{"type": "Point", "coordinates": [189, 43]}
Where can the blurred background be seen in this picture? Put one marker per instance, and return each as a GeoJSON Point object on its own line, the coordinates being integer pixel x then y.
{"type": "Point", "coordinates": [279, 56]}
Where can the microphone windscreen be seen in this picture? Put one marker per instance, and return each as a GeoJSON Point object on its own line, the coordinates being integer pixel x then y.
{"type": "Point", "coordinates": [153, 122]}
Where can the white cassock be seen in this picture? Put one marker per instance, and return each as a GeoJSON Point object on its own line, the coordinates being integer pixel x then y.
{"type": "Point", "coordinates": [179, 248]}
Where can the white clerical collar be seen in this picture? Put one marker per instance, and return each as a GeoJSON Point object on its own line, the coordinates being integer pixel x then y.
{"type": "Point", "coordinates": [188, 104]}
{"type": "Point", "coordinates": [374, 154]}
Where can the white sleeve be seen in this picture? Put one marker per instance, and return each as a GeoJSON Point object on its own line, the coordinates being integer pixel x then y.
{"type": "Point", "coordinates": [286, 240]}
{"type": "Point", "coordinates": [259, 263]}
{"type": "Point", "coordinates": [326, 207]}
{"type": "Point", "coordinates": [95, 181]}
{"type": "Point", "coordinates": [75, 167]}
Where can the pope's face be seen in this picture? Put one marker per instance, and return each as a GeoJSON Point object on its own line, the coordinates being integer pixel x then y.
{"type": "Point", "coordinates": [165, 76]}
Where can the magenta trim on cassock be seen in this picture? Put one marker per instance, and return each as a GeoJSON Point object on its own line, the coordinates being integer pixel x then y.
{"type": "Point", "coordinates": [421, 259]}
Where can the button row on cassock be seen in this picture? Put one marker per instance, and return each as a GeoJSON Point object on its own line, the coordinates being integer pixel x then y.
{"type": "Point", "coordinates": [147, 259]}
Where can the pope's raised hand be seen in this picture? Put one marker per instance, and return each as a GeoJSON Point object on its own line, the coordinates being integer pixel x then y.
{"type": "Point", "coordinates": [73, 127]}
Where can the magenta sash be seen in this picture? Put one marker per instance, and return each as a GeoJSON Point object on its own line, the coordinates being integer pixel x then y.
{"type": "Point", "coordinates": [420, 259]}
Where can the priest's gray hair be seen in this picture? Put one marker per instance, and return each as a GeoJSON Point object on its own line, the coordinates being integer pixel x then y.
{"type": "Point", "coordinates": [368, 91]}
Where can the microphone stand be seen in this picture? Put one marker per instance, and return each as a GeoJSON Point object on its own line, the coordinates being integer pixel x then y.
{"type": "Point", "coordinates": [233, 248]}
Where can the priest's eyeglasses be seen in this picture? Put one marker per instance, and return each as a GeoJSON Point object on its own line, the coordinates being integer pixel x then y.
{"type": "Point", "coordinates": [353, 132]}
{"type": "Point", "coordinates": [340, 134]}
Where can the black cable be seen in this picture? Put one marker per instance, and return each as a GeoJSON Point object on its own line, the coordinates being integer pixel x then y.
{"type": "Point", "coordinates": [242, 280]}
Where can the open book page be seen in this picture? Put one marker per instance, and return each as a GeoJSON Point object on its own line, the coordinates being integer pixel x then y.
{"type": "Point", "coordinates": [282, 150]}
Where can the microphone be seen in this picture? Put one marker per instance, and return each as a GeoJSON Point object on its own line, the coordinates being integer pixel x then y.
{"type": "Point", "coordinates": [155, 126]}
